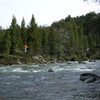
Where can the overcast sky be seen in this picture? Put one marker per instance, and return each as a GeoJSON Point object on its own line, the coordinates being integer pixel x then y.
{"type": "Point", "coordinates": [45, 11]}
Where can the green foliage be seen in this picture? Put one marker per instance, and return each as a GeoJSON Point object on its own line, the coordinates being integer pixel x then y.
{"type": "Point", "coordinates": [45, 40]}
{"type": "Point", "coordinates": [16, 40]}
{"type": "Point", "coordinates": [23, 32]}
{"type": "Point", "coordinates": [6, 43]}
{"type": "Point", "coordinates": [32, 29]}
{"type": "Point", "coordinates": [68, 39]}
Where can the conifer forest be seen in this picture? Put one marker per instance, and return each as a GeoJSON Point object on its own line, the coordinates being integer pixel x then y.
{"type": "Point", "coordinates": [72, 38]}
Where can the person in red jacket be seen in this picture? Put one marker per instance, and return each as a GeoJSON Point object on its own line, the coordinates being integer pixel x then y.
{"type": "Point", "coordinates": [25, 47]}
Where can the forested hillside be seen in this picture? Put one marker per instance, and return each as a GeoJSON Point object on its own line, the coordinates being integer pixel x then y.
{"type": "Point", "coordinates": [68, 39]}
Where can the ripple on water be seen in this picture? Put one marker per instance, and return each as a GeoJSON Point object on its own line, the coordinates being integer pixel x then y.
{"type": "Point", "coordinates": [13, 77]}
{"type": "Point", "coordinates": [84, 69]}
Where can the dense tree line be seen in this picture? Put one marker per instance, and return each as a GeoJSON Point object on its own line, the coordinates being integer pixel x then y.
{"type": "Point", "coordinates": [68, 39]}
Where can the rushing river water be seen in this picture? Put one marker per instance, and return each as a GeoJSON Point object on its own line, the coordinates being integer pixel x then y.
{"type": "Point", "coordinates": [34, 82]}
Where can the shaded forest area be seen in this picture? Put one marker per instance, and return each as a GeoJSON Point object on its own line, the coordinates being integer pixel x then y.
{"type": "Point", "coordinates": [75, 38]}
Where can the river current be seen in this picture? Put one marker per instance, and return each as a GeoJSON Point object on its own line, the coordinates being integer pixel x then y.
{"type": "Point", "coordinates": [34, 82]}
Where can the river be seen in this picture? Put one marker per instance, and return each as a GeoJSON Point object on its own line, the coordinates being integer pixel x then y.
{"type": "Point", "coordinates": [34, 82]}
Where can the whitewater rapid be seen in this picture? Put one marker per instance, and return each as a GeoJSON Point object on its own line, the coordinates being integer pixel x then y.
{"type": "Point", "coordinates": [34, 82]}
{"type": "Point", "coordinates": [67, 66]}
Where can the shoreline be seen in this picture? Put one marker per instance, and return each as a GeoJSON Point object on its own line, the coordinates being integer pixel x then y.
{"type": "Point", "coordinates": [19, 60]}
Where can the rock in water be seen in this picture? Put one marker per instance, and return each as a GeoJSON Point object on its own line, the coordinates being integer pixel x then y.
{"type": "Point", "coordinates": [89, 80]}
{"type": "Point", "coordinates": [50, 70]}
{"type": "Point", "coordinates": [97, 79]}
{"type": "Point", "coordinates": [81, 62]}
{"type": "Point", "coordinates": [88, 77]}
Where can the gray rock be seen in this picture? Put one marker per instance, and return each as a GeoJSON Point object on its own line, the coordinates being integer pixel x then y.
{"type": "Point", "coordinates": [81, 62]}
{"type": "Point", "coordinates": [88, 77]}
{"type": "Point", "coordinates": [50, 70]}
{"type": "Point", "coordinates": [97, 81]}
{"type": "Point", "coordinates": [92, 60]}
{"type": "Point", "coordinates": [91, 79]}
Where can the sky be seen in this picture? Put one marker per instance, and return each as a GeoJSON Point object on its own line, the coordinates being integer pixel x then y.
{"type": "Point", "coordinates": [45, 11]}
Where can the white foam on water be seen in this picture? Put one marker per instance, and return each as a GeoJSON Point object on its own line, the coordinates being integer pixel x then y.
{"type": "Point", "coordinates": [27, 83]}
{"type": "Point", "coordinates": [58, 68]}
{"type": "Point", "coordinates": [83, 69]}
{"type": "Point", "coordinates": [18, 70]}
{"type": "Point", "coordinates": [74, 66]}
{"type": "Point", "coordinates": [35, 71]}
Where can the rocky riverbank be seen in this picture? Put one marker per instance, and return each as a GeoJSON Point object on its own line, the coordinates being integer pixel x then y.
{"type": "Point", "coordinates": [38, 59]}
{"type": "Point", "coordinates": [16, 60]}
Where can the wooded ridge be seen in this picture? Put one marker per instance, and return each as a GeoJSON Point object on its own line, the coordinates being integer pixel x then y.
{"type": "Point", "coordinates": [75, 38]}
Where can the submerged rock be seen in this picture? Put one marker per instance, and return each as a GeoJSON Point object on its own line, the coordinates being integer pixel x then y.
{"type": "Point", "coordinates": [88, 77]}
{"type": "Point", "coordinates": [92, 60]}
{"type": "Point", "coordinates": [27, 90]}
{"type": "Point", "coordinates": [68, 63]}
{"type": "Point", "coordinates": [50, 70]}
{"type": "Point", "coordinates": [81, 62]}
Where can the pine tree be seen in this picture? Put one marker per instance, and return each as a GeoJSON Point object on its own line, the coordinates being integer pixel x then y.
{"type": "Point", "coordinates": [23, 32]}
{"type": "Point", "coordinates": [45, 40]}
{"type": "Point", "coordinates": [55, 43]}
{"type": "Point", "coordinates": [75, 29]}
{"type": "Point", "coordinates": [52, 42]}
{"type": "Point", "coordinates": [32, 35]}
{"type": "Point", "coordinates": [81, 41]}
{"type": "Point", "coordinates": [16, 40]}
{"type": "Point", "coordinates": [13, 32]}
{"type": "Point", "coordinates": [6, 43]}
{"type": "Point", "coordinates": [37, 42]}
{"type": "Point", "coordinates": [72, 38]}
{"type": "Point", "coordinates": [2, 33]}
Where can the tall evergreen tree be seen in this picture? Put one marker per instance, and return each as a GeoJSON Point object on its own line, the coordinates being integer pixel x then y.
{"type": "Point", "coordinates": [6, 43]}
{"type": "Point", "coordinates": [52, 41]}
{"type": "Point", "coordinates": [55, 43]}
{"type": "Point", "coordinates": [32, 28]}
{"type": "Point", "coordinates": [38, 42]}
{"type": "Point", "coordinates": [24, 32]}
{"type": "Point", "coordinates": [45, 40]}
{"type": "Point", "coordinates": [16, 40]}
{"type": "Point", "coordinates": [13, 30]}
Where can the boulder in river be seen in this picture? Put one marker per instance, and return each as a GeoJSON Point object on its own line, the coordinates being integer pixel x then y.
{"type": "Point", "coordinates": [92, 60]}
{"type": "Point", "coordinates": [97, 79]}
{"type": "Point", "coordinates": [81, 62]}
{"type": "Point", "coordinates": [89, 80]}
{"type": "Point", "coordinates": [88, 77]}
{"type": "Point", "coordinates": [50, 70]}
